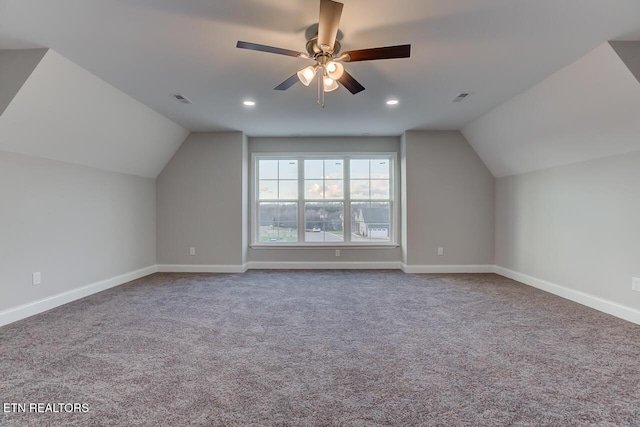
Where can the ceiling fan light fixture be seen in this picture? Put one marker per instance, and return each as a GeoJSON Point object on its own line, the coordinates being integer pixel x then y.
{"type": "Point", "coordinates": [325, 49]}
{"type": "Point", "coordinates": [335, 70]}
{"type": "Point", "coordinates": [307, 74]}
{"type": "Point", "coordinates": [329, 84]}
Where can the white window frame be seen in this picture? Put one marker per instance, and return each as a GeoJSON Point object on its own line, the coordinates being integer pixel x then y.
{"type": "Point", "coordinates": [394, 191]}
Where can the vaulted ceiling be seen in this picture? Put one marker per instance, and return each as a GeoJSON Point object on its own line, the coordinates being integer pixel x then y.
{"type": "Point", "coordinates": [530, 67]}
{"type": "Point", "coordinates": [63, 112]}
{"type": "Point", "coordinates": [151, 49]}
{"type": "Point", "coordinates": [587, 110]}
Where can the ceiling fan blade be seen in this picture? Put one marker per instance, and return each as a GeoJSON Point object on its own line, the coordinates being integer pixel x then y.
{"type": "Point", "coordinates": [287, 83]}
{"type": "Point", "coordinates": [270, 49]}
{"type": "Point", "coordinates": [350, 83]}
{"type": "Point", "coordinates": [388, 52]}
{"type": "Point", "coordinates": [330, 13]}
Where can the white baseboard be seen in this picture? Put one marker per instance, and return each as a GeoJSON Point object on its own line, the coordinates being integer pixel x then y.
{"type": "Point", "coordinates": [17, 313]}
{"type": "Point", "coordinates": [305, 265]}
{"type": "Point", "coordinates": [390, 265]}
{"type": "Point", "coordinates": [618, 310]}
{"type": "Point", "coordinates": [201, 268]}
{"type": "Point", "coordinates": [422, 269]}
{"type": "Point", "coordinates": [597, 303]}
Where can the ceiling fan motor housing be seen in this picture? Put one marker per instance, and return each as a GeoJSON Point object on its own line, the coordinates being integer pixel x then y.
{"type": "Point", "coordinates": [314, 49]}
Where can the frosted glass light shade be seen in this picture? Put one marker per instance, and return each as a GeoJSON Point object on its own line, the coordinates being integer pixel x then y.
{"type": "Point", "coordinates": [306, 75]}
{"type": "Point", "coordinates": [335, 70]}
{"type": "Point", "coordinates": [329, 84]}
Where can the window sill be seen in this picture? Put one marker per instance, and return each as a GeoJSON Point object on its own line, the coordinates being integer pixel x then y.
{"type": "Point", "coordinates": [332, 247]}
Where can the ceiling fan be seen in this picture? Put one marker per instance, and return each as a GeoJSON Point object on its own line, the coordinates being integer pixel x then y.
{"type": "Point", "coordinates": [325, 50]}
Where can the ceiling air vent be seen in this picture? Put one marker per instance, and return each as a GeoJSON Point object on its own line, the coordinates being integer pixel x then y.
{"type": "Point", "coordinates": [182, 99]}
{"type": "Point", "coordinates": [461, 97]}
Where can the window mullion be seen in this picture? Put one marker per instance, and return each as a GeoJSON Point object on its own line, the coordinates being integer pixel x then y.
{"type": "Point", "coordinates": [347, 200]}
{"type": "Point", "coordinates": [301, 230]}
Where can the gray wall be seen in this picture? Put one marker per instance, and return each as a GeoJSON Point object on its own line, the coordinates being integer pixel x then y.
{"type": "Point", "coordinates": [576, 226]}
{"type": "Point", "coordinates": [203, 202]}
{"type": "Point", "coordinates": [449, 199]}
{"type": "Point", "coordinates": [332, 144]}
{"type": "Point", "coordinates": [15, 68]}
{"type": "Point", "coordinates": [200, 201]}
{"type": "Point", "coordinates": [74, 224]}
{"type": "Point", "coordinates": [403, 196]}
{"type": "Point", "coordinates": [245, 199]}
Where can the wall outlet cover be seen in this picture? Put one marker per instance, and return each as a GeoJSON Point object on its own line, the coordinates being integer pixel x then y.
{"type": "Point", "coordinates": [36, 279]}
{"type": "Point", "coordinates": [635, 284]}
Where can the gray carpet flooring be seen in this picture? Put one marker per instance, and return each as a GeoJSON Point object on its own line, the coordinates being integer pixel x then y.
{"type": "Point", "coordinates": [329, 348]}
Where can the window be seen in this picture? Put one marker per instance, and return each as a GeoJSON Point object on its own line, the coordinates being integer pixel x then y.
{"type": "Point", "coordinates": [324, 200]}
{"type": "Point", "coordinates": [278, 195]}
{"type": "Point", "coordinates": [320, 200]}
{"type": "Point", "coordinates": [370, 200]}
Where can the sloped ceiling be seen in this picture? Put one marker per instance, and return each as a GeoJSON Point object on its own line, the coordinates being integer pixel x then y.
{"type": "Point", "coordinates": [587, 110]}
{"type": "Point", "coordinates": [629, 52]}
{"type": "Point", "coordinates": [15, 67]}
{"type": "Point", "coordinates": [63, 112]}
{"type": "Point", "coordinates": [150, 49]}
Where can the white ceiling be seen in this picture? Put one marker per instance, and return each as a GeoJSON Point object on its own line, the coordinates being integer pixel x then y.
{"type": "Point", "coordinates": [62, 112]}
{"type": "Point", "coordinates": [585, 111]}
{"type": "Point", "coordinates": [152, 48]}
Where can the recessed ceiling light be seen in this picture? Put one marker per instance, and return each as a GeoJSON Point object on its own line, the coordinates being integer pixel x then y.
{"type": "Point", "coordinates": [392, 102]}
{"type": "Point", "coordinates": [249, 103]}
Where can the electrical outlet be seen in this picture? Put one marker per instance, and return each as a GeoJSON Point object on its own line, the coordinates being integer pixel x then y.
{"type": "Point", "coordinates": [440, 251]}
{"type": "Point", "coordinates": [192, 251]}
{"type": "Point", "coordinates": [338, 252]}
{"type": "Point", "coordinates": [635, 284]}
{"type": "Point", "coordinates": [36, 279]}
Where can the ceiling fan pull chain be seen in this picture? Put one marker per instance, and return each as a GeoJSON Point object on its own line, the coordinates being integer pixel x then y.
{"type": "Point", "coordinates": [320, 91]}
{"type": "Point", "coordinates": [324, 75]}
